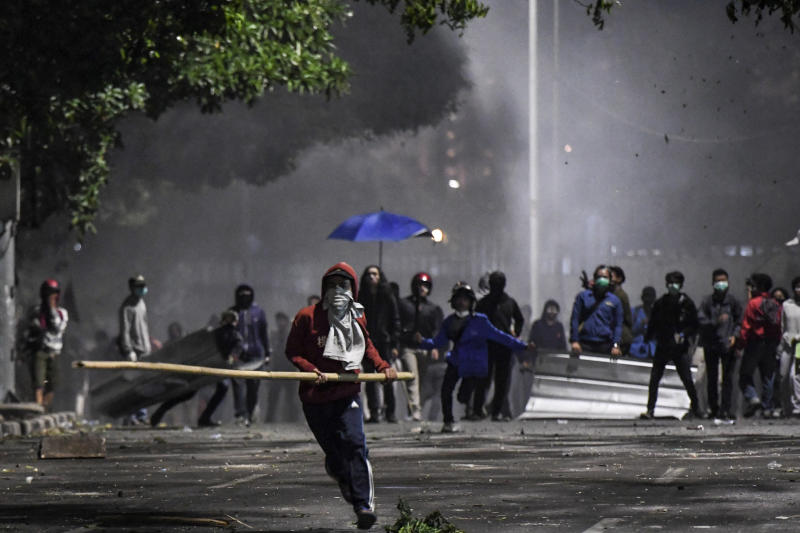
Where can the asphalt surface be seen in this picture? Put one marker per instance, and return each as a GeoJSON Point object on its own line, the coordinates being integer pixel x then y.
{"type": "Point", "coordinates": [537, 475]}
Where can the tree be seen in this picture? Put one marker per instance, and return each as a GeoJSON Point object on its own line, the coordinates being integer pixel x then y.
{"type": "Point", "coordinates": [787, 10]}
{"type": "Point", "coordinates": [72, 69]}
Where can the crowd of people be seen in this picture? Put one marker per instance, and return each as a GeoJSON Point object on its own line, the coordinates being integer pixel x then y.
{"type": "Point", "coordinates": [763, 335]}
{"type": "Point", "coordinates": [363, 325]}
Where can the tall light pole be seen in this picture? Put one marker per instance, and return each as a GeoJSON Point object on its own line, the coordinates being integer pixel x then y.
{"type": "Point", "coordinates": [533, 156]}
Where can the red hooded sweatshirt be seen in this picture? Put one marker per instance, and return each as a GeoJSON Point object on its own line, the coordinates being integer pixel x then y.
{"type": "Point", "coordinates": [306, 343]}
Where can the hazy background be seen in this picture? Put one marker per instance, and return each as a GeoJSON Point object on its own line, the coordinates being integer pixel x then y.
{"type": "Point", "coordinates": [680, 128]}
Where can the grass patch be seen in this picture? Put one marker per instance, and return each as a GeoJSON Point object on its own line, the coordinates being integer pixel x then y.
{"type": "Point", "coordinates": [433, 523]}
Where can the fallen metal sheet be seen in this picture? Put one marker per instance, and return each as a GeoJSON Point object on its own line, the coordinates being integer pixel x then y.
{"type": "Point", "coordinates": [597, 386]}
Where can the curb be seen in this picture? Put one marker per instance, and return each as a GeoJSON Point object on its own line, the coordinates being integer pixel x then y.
{"type": "Point", "coordinates": [36, 425]}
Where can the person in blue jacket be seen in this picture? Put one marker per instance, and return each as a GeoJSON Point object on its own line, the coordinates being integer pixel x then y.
{"type": "Point", "coordinates": [596, 323]}
{"type": "Point", "coordinates": [468, 360]}
{"type": "Point", "coordinates": [641, 317]}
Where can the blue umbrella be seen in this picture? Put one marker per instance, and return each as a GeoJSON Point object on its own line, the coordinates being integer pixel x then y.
{"type": "Point", "coordinates": [380, 226]}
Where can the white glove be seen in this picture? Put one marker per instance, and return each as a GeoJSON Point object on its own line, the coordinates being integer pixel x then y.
{"type": "Point", "coordinates": [132, 356]}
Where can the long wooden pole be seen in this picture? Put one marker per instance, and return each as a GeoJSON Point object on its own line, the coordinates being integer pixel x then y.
{"type": "Point", "coordinates": [232, 373]}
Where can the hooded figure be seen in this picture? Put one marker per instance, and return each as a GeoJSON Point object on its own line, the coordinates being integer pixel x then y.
{"type": "Point", "coordinates": [505, 315]}
{"type": "Point", "coordinates": [254, 354]}
{"type": "Point", "coordinates": [331, 336]}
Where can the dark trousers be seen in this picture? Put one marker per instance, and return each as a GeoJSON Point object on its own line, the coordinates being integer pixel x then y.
{"type": "Point", "coordinates": [338, 427]}
{"type": "Point", "coordinates": [683, 364]}
{"type": "Point", "coordinates": [714, 356]}
{"type": "Point", "coordinates": [760, 354]}
{"type": "Point", "coordinates": [245, 396]}
{"type": "Point", "coordinates": [156, 417]}
{"type": "Point", "coordinates": [216, 399]}
{"type": "Point", "coordinates": [449, 385]}
{"type": "Point", "coordinates": [500, 368]}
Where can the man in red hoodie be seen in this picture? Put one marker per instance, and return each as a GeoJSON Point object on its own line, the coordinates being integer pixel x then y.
{"type": "Point", "coordinates": [759, 336]}
{"type": "Point", "coordinates": [331, 336]}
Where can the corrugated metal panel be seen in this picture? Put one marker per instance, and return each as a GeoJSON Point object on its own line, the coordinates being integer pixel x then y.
{"type": "Point", "coordinates": [596, 386]}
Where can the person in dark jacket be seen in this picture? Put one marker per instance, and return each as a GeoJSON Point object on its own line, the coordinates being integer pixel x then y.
{"type": "Point", "coordinates": [505, 315]}
{"type": "Point", "coordinates": [252, 326]}
{"type": "Point", "coordinates": [597, 318]}
{"type": "Point", "coordinates": [468, 360]}
{"type": "Point", "coordinates": [617, 279]}
{"type": "Point", "coordinates": [383, 322]}
{"type": "Point", "coordinates": [673, 325]}
{"type": "Point", "coordinates": [418, 315]}
{"type": "Point", "coordinates": [332, 336]}
{"type": "Point", "coordinates": [547, 333]}
{"type": "Point", "coordinates": [759, 335]}
{"type": "Point", "coordinates": [720, 319]}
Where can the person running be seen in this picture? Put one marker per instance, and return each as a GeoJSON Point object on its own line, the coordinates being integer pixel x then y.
{"type": "Point", "coordinates": [468, 360]}
{"type": "Point", "coordinates": [332, 336]}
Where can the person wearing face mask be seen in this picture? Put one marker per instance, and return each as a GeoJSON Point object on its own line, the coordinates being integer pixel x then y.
{"type": "Point", "coordinates": [134, 332]}
{"type": "Point", "coordinates": [597, 318]}
{"type": "Point", "coordinates": [252, 326]}
{"type": "Point", "coordinates": [673, 325]}
{"type": "Point", "coordinates": [383, 322]}
{"type": "Point", "coordinates": [332, 336]}
{"type": "Point", "coordinates": [720, 319]}
{"type": "Point", "coordinates": [641, 317]}
{"type": "Point", "coordinates": [468, 360]}
{"type": "Point", "coordinates": [790, 339]}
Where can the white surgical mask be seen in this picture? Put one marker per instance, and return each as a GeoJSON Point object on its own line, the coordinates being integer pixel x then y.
{"type": "Point", "coordinates": [462, 314]}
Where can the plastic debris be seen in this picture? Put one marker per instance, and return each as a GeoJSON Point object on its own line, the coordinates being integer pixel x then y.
{"type": "Point", "coordinates": [774, 465]}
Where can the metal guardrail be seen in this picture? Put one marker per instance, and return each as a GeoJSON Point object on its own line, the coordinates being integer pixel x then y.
{"type": "Point", "coordinates": [597, 386]}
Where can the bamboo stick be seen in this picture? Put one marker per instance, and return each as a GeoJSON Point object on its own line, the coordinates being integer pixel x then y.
{"type": "Point", "coordinates": [232, 373]}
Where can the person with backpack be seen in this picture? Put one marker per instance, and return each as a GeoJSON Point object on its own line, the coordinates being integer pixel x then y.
{"type": "Point", "coordinates": [468, 360]}
{"type": "Point", "coordinates": [673, 325]}
{"type": "Point", "coordinates": [759, 337]}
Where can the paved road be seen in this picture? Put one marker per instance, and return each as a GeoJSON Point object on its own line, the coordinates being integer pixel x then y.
{"type": "Point", "coordinates": [542, 475]}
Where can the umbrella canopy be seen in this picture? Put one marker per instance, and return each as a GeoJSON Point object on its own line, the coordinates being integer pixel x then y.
{"type": "Point", "coordinates": [380, 226]}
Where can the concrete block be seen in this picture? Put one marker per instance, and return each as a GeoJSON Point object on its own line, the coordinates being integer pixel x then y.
{"type": "Point", "coordinates": [81, 446]}
{"type": "Point", "coordinates": [11, 429]}
{"type": "Point", "coordinates": [26, 427]}
{"type": "Point", "coordinates": [48, 422]}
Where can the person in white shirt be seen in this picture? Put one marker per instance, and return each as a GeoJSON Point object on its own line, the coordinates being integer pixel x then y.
{"type": "Point", "coordinates": [46, 336]}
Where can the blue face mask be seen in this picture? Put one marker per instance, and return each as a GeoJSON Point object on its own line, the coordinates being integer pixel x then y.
{"type": "Point", "coordinates": [140, 291]}
{"type": "Point", "coordinates": [721, 286]}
